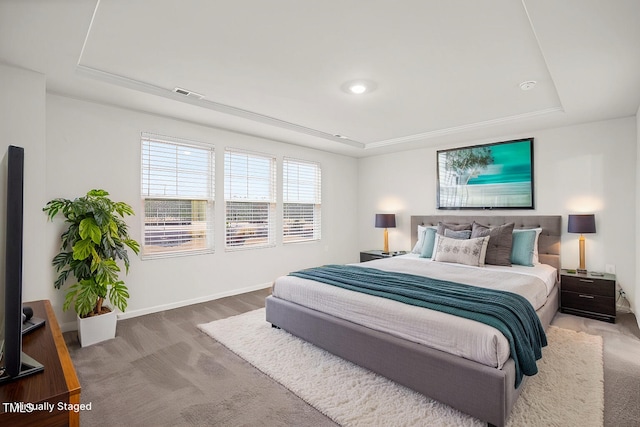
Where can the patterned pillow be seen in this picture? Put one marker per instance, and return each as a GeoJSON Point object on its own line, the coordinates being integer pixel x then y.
{"type": "Point", "coordinates": [469, 252]}
{"type": "Point", "coordinates": [499, 248]}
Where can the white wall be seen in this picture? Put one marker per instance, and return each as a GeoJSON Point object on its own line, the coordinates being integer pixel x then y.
{"type": "Point", "coordinates": [590, 167]}
{"type": "Point", "coordinates": [96, 146]}
{"type": "Point", "coordinates": [586, 168]}
{"type": "Point", "coordinates": [636, 303]}
{"type": "Point", "coordinates": [22, 123]}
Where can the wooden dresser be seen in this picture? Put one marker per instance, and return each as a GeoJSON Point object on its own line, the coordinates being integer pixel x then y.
{"type": "Point", "coordinates": [58, 384]}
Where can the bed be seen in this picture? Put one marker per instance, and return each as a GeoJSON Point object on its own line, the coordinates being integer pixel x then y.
{"type": "Point", "coordinates": [457, 379]}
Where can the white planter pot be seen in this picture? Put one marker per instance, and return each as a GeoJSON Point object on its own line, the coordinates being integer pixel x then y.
{"type": "Point", "coordinates": [95, 329]}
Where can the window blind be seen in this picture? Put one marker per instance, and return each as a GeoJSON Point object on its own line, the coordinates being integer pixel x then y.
{"type": "Point", "coordinates": [301, 183]}
{"type": "Point", "coordinates": [250, 199]}
{"type": "Point", "coordinates": [178, 196]}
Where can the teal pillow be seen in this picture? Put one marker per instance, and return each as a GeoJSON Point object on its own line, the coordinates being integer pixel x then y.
{"type": "Point", "coordinates": [522, 247]}
{"type": "Point", "coordinates": [428, 243]}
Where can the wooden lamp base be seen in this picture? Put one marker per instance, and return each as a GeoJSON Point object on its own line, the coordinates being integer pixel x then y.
{"type": "Point", "coordinates": [582, 269]}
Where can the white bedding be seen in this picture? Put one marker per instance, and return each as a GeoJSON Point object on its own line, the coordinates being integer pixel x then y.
{"type": "Point", "coordinates": [462, 337]}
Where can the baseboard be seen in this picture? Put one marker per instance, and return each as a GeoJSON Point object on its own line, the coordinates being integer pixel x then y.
{"type": "Point", "coordinates": [155, 309]}
{"type": "Point", "coordinates": [72, 326]}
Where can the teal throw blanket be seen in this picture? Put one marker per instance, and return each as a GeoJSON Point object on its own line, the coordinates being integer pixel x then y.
{"type": "Point", "coordinates": [509, 313]}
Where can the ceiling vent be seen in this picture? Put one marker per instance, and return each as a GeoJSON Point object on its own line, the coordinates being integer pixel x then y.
{"type": "Point", "coordinates": [189, 93]}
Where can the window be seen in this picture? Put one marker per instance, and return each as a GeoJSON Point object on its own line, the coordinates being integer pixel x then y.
{"type": "Point", "coordinates": [178, 196]}
{"type": "Point", "coordinates": [249, 192]}
{"type": "Point", "coordinates": [301, 196]}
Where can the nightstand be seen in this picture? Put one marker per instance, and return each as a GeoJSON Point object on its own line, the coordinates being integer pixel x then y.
{"type": "Point", "coordinates": [588, 295]}
{"type": "Point", "coordinates": [377, 254]}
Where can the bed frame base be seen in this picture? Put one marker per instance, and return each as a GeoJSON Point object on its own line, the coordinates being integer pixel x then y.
{"type": "Point", "coordinates": [481, 391]}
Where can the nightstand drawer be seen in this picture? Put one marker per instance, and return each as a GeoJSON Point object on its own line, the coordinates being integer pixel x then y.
{"type": "Point", "coordinates": [590, 286]}
{"type": "Point", "coordinates": [588, 302]}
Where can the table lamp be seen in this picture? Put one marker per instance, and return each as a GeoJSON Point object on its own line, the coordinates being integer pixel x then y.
{"type": "Point", "coordinates": [582, 224]}
{"type": "Point", "coordinates": [386, 221]}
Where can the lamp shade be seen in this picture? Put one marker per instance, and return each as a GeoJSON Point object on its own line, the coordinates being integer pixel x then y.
{"type": "Point", "coordinates": [385, 220]}
{"type": "Point", "coordinates": [582, 224]}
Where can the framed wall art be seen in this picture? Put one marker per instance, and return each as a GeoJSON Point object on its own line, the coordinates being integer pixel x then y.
{"type": "Point", "coordinates": [489, 176]}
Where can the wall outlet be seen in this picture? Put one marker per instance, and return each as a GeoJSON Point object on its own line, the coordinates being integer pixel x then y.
{"type": "Point", "coordinates": [610, 268]}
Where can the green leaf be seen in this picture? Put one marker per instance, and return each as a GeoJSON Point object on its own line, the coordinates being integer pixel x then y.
{"type": "Point", "coordinates": [89, 228]}
{"type": "Point", "coordinates": [86, 297]}
{"type": "Point", "coordinates": [123, 209]}
{"type": "Point", "coordinates": [94, 254]}
{"type": "Point", "coordinates": [118, 295]}
{"type": "Point", "coordinates": [97, 193]}
{"type": "Point", "coordinates": [113, 227]}
{"type": "Point", "coordinates": [61, 260]}
{"type": "Point", "coordinates": [81, 268]}
{"type": "Point", "coordinates": [71, 236]}
{"type": "Point", "coordinates": [82, 249]}
{"type": "Point", "coordinates": [62, 277]}
{"type": "Point", "coordinates": [121, 253]}
{"type": "Point", "coordinates": [135, 246]}
{"type": "Point", "coordinates": [51, 211]}
{"type": "Point", "coordinates": [71, 294]}
{"type": "Point", "coordinates": [53, 207]}
{"type": "Point", "coordinates": [102, 216]}
{"type": "Point", "coordinates": [107, 272]}
{"type": "Point", "coordinates": [95, 262]}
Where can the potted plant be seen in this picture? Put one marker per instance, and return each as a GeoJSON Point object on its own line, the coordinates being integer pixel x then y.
{"type": "Point", "coordinates": [96, 237]}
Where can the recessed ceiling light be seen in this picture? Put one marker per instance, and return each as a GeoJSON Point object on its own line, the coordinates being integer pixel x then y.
{"type": "Point", "coordinates": [528, 85]}
{"type": "Point", "coordinates": [337, 135]}
{"type": "Point", "coordinates": [358, 87]}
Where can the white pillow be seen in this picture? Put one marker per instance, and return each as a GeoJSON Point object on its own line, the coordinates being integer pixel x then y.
{"type": "Point", "coordinates": [469, 252]}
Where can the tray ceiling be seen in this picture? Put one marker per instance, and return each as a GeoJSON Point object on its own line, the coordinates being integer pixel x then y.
{"type": "Point", "coordinates": [277, 69]}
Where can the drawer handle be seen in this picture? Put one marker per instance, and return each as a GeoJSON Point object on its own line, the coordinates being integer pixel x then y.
{"type": "Point", "coordinates": [586, 281]}
{"type": "Point", "coordinates": [586, 296]}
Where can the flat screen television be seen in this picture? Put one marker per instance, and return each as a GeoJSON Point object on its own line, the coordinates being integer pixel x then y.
{"type": "Point", "coordinates": [14, 363]}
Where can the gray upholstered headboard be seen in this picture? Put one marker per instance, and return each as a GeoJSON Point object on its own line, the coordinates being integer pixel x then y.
{"type": "Point", "coordinates": [548, 243]}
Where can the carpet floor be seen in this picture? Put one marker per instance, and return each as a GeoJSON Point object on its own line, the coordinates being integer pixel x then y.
{"type": "Point", "coordinates": [568, 390]}
{"type": "Point", "coordinates": [161, 370]}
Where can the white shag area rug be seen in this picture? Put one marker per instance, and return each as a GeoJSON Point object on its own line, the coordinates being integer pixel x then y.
{"type": "Point", "coordinates": [567, 391]}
